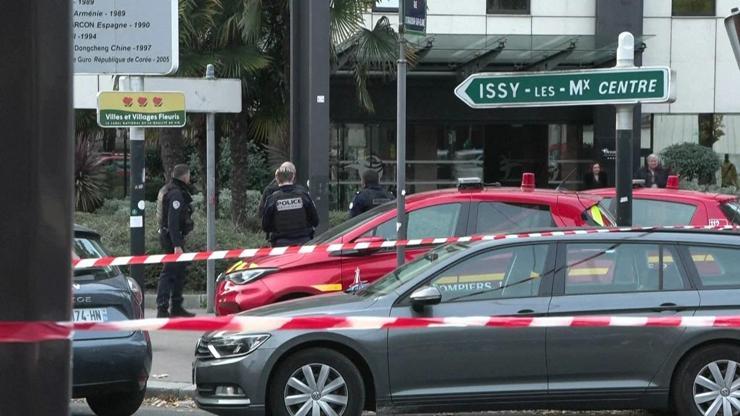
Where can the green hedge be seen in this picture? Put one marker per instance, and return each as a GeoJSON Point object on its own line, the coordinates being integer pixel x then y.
{"type": "Point", "coordinates": [112, 220]}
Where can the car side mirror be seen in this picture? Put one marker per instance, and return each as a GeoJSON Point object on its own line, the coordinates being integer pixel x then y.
{"type": "Point", "coordinates": [425, 296]}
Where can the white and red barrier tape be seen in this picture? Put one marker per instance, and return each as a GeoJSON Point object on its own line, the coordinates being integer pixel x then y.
{"type": "Point", "coordinates": [279, 251]}
{"type": "Point", "coordinates": [35, 331]}
{"type": "Point", "coordinates": [46, 331]}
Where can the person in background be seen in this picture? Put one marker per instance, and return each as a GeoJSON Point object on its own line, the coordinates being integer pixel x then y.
{"type": "Point", "coordinates": [290, 214]}
{"type": "Point", "coordinates": [729, 173]}
{"type": "Point", "coordinates": [654, 175]}
{"type": "Point", "coordinates": [371, 195]}
{"type": "Point", "coordinates": [174, 215]}
{"type": "Point", "coordinates": [596, 178]}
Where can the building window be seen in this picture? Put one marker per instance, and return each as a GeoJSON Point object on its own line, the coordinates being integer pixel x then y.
{"type": "Point", "coordinates": [507, 6]}
{"type": "Point", "coordinates": [386, 6]}
{"type": "Point", "coordinates": [694, 7]}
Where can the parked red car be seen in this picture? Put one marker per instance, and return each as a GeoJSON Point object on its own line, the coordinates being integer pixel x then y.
{"type": "Point", "coordinates": [673, 206]}
{"type": "Point", "coordinates": [469, 209]}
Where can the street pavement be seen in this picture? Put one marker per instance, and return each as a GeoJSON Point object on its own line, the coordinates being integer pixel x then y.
{"type": "Point", "coordinates": [173, 352]}
{"type": "Point", "coordinates": [81, 409]}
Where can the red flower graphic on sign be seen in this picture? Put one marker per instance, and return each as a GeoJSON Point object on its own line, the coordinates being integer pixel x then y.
{"type": "Point", "coordinates": [128, 101]}
{"type": "Point", "coordinates": [142, 101]}
{"type": "Point", "coordinates": [157, 101]}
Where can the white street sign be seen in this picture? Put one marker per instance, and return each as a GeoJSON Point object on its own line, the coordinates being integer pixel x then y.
{"type": "Point", "coordinates": [221, 95]}
{"type": "Point", "coordinates": [134, 37]}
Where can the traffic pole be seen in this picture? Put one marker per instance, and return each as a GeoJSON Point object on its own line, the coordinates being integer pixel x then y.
{"type": "Point", "coordinates": [36, 160]}
{"type": "Point", "coordinates": [210, 197]}
{"type": "Point", "coordinates": [137, 181]}
{"type": "Point", "coordinates": [401, 140]}
{"type": "Point", "coordinates": [625, 126]}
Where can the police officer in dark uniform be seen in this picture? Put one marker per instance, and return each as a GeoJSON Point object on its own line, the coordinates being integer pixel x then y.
{"type": "Point", "coordinates": [370, 196]}
{"type": "Point", "coordinates": [174, 214]}
{"type": "Point", "coordinates": [290, 215]}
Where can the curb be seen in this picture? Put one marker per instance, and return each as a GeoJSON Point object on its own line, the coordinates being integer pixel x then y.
{"type": "Point", "coordinates": [190, 301]}
{"type": "Point", "coordinates": [169, 390]}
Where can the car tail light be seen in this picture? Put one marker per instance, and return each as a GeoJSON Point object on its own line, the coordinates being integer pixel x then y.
{"type": "Point", "coordinates": [672, 182]}
{"type": "Point", "coordinates": [135, 290]}
{"type": "Point", "coordinates": [528, 181]}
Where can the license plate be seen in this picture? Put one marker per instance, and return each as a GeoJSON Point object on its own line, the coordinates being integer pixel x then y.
{"type": "Point", "coordinates": [91, 315]}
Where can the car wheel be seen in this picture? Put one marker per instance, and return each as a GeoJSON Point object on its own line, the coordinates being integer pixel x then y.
{"type": "Point", "coordinates": [317, 382]}
{"type": "Point", "coordinates": [116, 404]}
{"type": "Point", "coordinates": [708, 382]}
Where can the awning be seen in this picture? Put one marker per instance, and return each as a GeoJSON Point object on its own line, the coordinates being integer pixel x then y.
{"type": "Point", "coordinates": [466, 54]}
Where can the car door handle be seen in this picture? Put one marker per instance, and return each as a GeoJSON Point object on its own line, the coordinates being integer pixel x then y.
{"type": "Point", "coordinates": [668, 306]}
{"type": "Point", "coordinates": [525, 312]}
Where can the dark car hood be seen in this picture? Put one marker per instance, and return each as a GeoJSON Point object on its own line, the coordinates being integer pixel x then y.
{"type": "Point", "coordinates": [330, 304]}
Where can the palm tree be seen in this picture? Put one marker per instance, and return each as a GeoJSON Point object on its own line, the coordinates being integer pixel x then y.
{"type": "Point", "coordinates": [250, 40]}
{"type": "Point", "coordinates": [210, 33]}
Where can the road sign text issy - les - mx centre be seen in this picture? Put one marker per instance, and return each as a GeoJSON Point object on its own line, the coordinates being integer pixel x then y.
{"type": "Point", "coordinates": [611, 86]}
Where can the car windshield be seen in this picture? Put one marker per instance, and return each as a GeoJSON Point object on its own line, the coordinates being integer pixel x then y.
{"type": "Point", "coordinates": [599, 215]}
{"type": "Point", "coordinates": [86, 248]}
{"type": "Point", "coordinates": [391, 281]}
{"type": "Point", "coordinates": [732, 212]}
{"type": "Point", "coordinates": [352, 223]}
{"type": "Point", "coordinates": [653, 212]}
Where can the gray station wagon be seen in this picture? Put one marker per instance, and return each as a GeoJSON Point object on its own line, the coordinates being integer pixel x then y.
{"type": "Point", "coordinates": [691, 371]}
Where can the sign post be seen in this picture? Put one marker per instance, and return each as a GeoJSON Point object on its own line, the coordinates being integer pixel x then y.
{"type": "Point", "coordinates": [210, 198]}
{"type": "Point", "coordinates": [412, 19]}
{"type": "Point", "coordinates": [623, 86]}
{"type": "Point", "coordinates": [401, 138]}
{"type": "Point", "coordinates": [625, 124]}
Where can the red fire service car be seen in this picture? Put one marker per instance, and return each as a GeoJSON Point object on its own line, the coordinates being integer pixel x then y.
{"type": "Point", "coordinates": [673, 206]}
{"type": "Point", "coordinates": [470, 209]}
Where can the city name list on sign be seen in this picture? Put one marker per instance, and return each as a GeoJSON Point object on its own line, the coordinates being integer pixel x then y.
{"type": "Point", "coordinates": [598, 86]}
{"type": "Point", "coordinates": [134, 37]}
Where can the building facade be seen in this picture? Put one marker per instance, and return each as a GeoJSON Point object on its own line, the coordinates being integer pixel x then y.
{"type": "Point", "coordinates": [447, 140]}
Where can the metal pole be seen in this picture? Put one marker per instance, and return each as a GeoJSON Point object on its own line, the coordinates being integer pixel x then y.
{"type": "Point", "coordinates": [401, 140]}
{"type": "Point", "coordinates": [625, 125]}
{"type": "Point", "coordinates": [36, 230]}
{"type": "Point", "coordinates": [137, 180]}
{"type": "Point", "coordinates": [211, 198]}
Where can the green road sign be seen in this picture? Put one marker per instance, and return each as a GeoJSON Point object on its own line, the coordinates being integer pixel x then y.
{"type": "Point", "coordinates": [558, 88]}
{"type": "Point", "coordinates": [118, 109]}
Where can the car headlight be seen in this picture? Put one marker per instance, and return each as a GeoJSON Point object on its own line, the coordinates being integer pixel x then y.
{"type": "Point", "coordinates": [227, 345]}
{"type": "Point", "coordinates": [246, 276]}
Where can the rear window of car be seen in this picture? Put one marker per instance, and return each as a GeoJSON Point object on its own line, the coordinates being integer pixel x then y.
{"type": "Point", "coordinates": [87, 248]}
{"type": "Point", "coordinates": [732, 212]}
{"type": "Point", "coordinates": [652, 212]}
{"type": "Point", "coordinates": [617, 268]}
{"type": "Point", "coordinates": [716, 266]}
{"type": "Point", "coordinates": [494, 217]}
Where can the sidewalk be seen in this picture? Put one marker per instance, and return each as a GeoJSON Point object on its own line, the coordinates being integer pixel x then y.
{"type": "Point", "coordinates": [173, 352]}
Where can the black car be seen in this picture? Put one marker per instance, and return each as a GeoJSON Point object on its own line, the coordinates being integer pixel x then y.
{"type": "Point", "coordinates": [689, 371]}
{"type": "Point", "coordinates": [110, 369]}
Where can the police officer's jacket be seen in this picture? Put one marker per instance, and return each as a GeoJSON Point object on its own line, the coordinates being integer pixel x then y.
{"type": "Point", "coordinates": [174, 211]}
{"type": "Point", "coordinates": [290, 213]}
{"type": "Point", "coordinates": [368, 198]}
